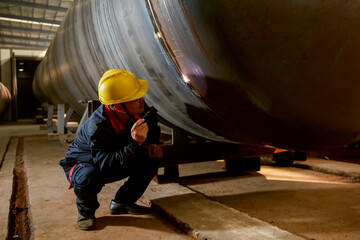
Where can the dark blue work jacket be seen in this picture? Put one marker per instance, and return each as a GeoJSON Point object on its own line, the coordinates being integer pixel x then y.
{"type": "Point", "coordinates": [98, 143]}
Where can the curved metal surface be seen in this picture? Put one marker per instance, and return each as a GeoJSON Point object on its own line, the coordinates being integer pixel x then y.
{"type": "Point", "coordinates": [256, 72]}
{"type": "Point", "coordinates": [5, 98]}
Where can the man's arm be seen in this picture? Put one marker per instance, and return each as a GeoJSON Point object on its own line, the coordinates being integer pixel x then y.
{"type": "Point", "coordinates": [108, 153]}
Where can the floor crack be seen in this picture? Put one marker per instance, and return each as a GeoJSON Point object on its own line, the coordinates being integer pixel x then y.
{"type": "Point", "coordinates": [20, 224]}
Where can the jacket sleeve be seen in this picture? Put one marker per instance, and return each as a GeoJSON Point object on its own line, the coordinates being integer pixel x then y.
{"type": "Point", "coordinates": [109, 154]}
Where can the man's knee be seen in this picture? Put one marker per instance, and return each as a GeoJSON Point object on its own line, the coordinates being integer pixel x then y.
{"type": "Point", "coordinates": [151, 165]}
{"type": "Point", "coordinates": [87, 178]}
{"type": "Point", "coordinates": [156, 162]}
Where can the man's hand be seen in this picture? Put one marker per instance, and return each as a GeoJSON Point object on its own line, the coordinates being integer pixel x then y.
{"type": "Point", "coordinates": [139, 131]}
{"type": "Point", "coordinates": [155, 151]}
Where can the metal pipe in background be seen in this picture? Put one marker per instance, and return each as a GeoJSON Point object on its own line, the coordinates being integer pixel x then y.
{"type": "Point", "coordinates": [5, 98]}
{"type": "Point", "coordinates": [265, 72]}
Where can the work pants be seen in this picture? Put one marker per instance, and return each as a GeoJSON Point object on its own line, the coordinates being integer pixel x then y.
{"type": "Point", "coordinates": [88, 182]}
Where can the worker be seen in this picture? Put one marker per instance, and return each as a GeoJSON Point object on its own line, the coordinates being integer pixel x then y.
{"type": "Point", "coordinates": [112, 144]}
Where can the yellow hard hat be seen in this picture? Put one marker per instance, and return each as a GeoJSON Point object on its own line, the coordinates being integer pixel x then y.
{"type": "Point", "coordinates": [118, 86]}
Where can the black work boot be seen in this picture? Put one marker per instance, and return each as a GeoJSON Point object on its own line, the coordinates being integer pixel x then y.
{"type": "Point", "coordinates": [127, 208]}
{"type": "Point", "coordinates": [86, 223]}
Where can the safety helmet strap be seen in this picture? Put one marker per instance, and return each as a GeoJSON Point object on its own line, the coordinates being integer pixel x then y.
{"type": "Point", "coordinates": [127, 112]}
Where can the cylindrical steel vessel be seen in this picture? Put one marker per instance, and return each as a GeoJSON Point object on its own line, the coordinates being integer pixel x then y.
{"type": "Point", "coordinates": [5, 98]}
{"type": "Point", "coordinates": [273, 73]}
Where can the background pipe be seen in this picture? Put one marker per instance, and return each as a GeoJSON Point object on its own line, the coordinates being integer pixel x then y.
{"type": "Point", "coordinates": [265, 73]}
{"type": "Point", "coordinates": [5, 98]}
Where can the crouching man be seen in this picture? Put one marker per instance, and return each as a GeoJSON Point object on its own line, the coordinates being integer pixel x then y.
{"type": "Point", "coordinates": [114, 143]}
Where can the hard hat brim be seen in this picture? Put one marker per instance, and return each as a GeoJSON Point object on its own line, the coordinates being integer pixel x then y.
{"type": "Point", "coordinates": [141, 92]}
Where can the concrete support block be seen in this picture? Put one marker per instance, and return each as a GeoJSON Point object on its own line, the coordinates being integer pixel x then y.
{"type": "Point", "coordinates": [50, 116]}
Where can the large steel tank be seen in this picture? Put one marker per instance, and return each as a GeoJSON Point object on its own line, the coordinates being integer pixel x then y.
{"type": "Point", "coordinates": [5, 98]}
{"type": "Point", "coordinates": [267, 72]}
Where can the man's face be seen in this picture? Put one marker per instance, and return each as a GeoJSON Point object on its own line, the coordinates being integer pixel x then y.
{"type": "Point", "coordinates": [136, 106]}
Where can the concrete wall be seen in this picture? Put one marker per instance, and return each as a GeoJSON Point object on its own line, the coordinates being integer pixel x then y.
{"type": "Point", "coordinates": [5, 56]}
{"type": "Point", "coordinates": [8, 73]}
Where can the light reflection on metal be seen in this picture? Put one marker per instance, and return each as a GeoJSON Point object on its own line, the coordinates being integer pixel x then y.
{"type": "Point", "coordinates": [255, 72]}
{"type": "Point", "coordinates": [158, 35]}
{"type": "Point", "coordinates": [186, 79]}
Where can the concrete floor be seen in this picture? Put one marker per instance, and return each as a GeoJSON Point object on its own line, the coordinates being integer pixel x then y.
{"type": "Point", "coordinates": [307, 203]}
{"type": "Point", "coordinates": [52, 206]}
{"type": "Point", "coordinates": [206, 202]}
